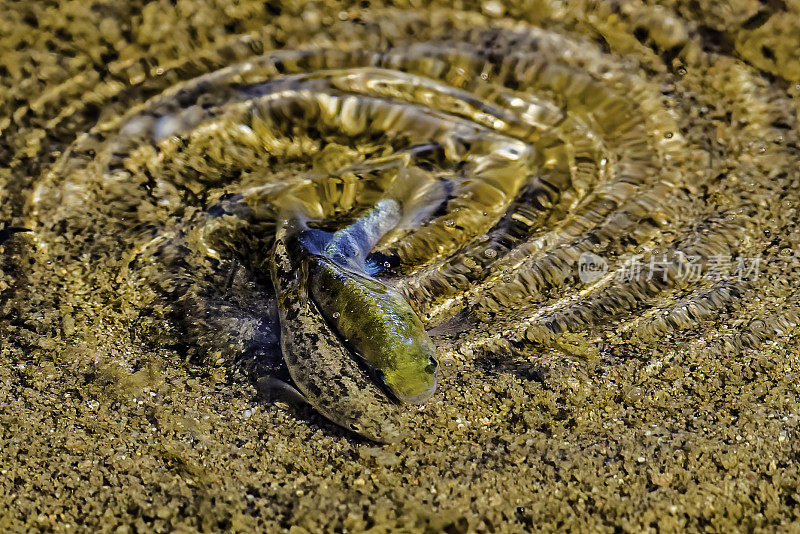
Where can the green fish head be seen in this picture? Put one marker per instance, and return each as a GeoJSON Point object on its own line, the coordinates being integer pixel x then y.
{"type": "Point", "coordinates": [413, 376]}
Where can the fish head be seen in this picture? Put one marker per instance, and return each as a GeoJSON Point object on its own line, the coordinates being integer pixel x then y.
{"type": "Point", "coordinates": [411, 376]}
{"type": "Point", "coordinates": [367, 416]}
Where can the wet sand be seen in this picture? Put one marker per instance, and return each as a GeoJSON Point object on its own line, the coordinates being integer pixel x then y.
{"type": "Point", "coordinates": [694, 429]}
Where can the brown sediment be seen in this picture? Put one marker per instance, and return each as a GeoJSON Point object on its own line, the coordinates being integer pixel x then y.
{"type": "Point", "coordinates": [133, 314]}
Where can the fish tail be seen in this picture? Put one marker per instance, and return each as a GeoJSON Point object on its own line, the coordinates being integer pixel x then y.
{"type": "Point", "coordinates": [351, 245]}
{"type": "Point", "coordinates": [419, 195]}
{"type": "Point", "coordinates": [293, 223]}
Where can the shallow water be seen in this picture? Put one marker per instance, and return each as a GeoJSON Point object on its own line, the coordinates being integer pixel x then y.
{"type": "Point", "coordinates": [611, 283]}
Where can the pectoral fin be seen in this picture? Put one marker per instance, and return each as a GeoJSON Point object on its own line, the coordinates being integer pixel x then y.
{"type": "Point", "coordinates": [274, 389]}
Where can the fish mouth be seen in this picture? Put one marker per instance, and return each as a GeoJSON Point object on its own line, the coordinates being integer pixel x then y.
{"type": "Point", "coordinates": [418, 398]}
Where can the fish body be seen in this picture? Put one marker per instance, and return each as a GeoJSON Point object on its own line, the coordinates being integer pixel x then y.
{"type": "Point", "coordinates": [379, 325]}
{"type": "Point", "coordinates": [321, 367]}
{"type": "Point", "coordinates": [373, 319]}
{"type": "Point", "coordinates": [350, 246]}
{"type": "Point", "coordinates": [337, 322]}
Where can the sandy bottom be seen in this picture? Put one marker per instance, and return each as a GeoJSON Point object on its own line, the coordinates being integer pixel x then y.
{"type": "Point", "coordinates": [667, 440]}
{"type": "Point", "coordinates": [101, 433]}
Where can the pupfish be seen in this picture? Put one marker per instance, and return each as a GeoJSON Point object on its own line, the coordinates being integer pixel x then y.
{"type": "Point", "coordinates": [372, 318]}
{"type": "Point", "coordinates": [322, 368]}
{"type": "Point", "coordinates": [354, 347]}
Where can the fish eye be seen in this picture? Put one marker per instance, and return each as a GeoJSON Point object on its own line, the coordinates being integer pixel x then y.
{"type": "Point", "coordinates": [432, 365]}
{"type": "Point", "coordinates": [354, 427]}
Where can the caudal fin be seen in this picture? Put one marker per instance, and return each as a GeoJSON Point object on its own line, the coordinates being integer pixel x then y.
{"type": "Point", "coordinates": [419, 194]}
